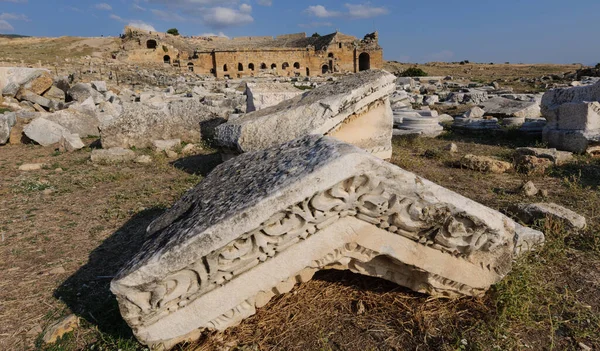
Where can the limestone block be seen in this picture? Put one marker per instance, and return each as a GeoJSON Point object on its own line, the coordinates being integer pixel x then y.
{"type": "Point", "coordinates": [262, 222]}
{"type": "Point", "coordinates": [32, 97]}
{"type": "Point", "coordinates": [474, 112]}
{"type": "Point", "coordinates": [100, 86]}
{"type": "Point", "coordinates": [263, 95]}
{"type": "Point", "coordinates": [55, 93]}
{"type": "Point", "coordinates": [355, 109]}
{"type": "Point", "coordinates": [557, 157]}
{"type": "Point", "coordinates": [585, 116]}
{"type": "Point", "coordinates": [7, 122]}
{"type": "Point", "coordinates": [40, 84]}
{"type": "Point", "coordinates": [140, 124]}
{"type": "Point", "coordinates": [13, 78]}
{"type": "Point", "coordinates": [164, 145]}
{"type": "Point", "coordinates": [81, 91]}
{"type": "Point", "coordinates": [529, 213]}
{"type": "Point", "coordinates": [554, 98]}
{"type": "Point", "coordinates": [76, 122]}
{"type": "Point", "coordinates": [501, 107]}
{"type": "Point", "coordinates": [576, 141]}
{"type": "Point", "coordinates": [45, 132]}
{"type": "Point", "coordinates": [484, 164]}
{"type": "Point", "coordinates": [70, 143]}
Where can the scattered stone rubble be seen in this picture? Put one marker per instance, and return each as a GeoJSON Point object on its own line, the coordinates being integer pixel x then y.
{"type": "Point", "coordinates": [266, 220]}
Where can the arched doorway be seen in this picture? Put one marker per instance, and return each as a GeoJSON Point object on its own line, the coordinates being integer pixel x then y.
{"type": "Point", "coordinates": [297, 65]}
{"type": "Point", "coordinates": [325, 69]}
{"type": "Point", "coordinates": [285, 66]}
{"type": "Point", "coordinates": [274, 66]}
{"type": "Point", "coordinates": [167, 59]}
{"type": "Point", "coordinates": [251, 67]}
{"type": "Point", "coordinates": [190, 66]}
{"type": "Point", "coordinates": [364, 62]}
{"type": "Point", "coordinates": [307, 72]}
{"type": "Point", "coordinates": [225, 68]}
{"type": "Point", "coordinates": [151, 44]}
{"type": "Point", "coordinates": [263, 66]}
{"type": "Point", "coordinates": [240, 67]}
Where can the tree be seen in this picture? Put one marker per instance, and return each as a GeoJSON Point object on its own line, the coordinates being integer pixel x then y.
{"type": "Point", "coordinates": [173, 31]}
{"type": "Point", "coordinates": [316, 35]}
{"type": "Point", "coordinates": [598, 66]}
{"type": "Point", "coordinates": [413, 72]}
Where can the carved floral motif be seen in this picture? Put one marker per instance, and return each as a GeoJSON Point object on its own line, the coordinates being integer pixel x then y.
{"type": "Point", "coordinates": [365, 197]}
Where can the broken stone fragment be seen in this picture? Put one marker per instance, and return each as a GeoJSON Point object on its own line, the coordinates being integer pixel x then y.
{"type": "Point", "coordinates": [45, 132]}
{"type": "Point", "coordinates": [266, 220]}
{"type": "Point", "coordinates": [60, 328]}
{"type": "Point", "coordinates": [263, 95]}
{"type": "Point", "coordinates": [7, 122]}
{"type": "Point", "coordinates": [557, 157]}
{"type": "Point", "coordinates": [70, 142]}
{"type": "Point", "coordinates": [502, 107]}
{"type": "Point", "coordinates": [355, 109]}
{"type": "Point", "coordinates": [31, 166]}
{"type": "Point", "coordinates": [32, 97]}
{"type": "Point", "coordinates": [529, 189]}
{"type": "Point", "coordinates": [529, 213]}
{"type": "Point", "coordinates": [81, 91]}
{"type": "Point", "coordinates": [474, 112]}
{"type": "Point", "coordinates": [100, 86]}
{"type": "Point", "coordinates": [164, 145]}
{"type": "Point", "coordinates": [531, 164]}
{"type": "Point", "coordinates": [484, 164]}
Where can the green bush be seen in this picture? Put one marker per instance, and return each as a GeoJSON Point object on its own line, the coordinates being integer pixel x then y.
{"type": "Point", "coordinates": [598, 66]}
{"type": "Point", "coordinates": [173, 31]}
{"type": "Point", "coordinates": [413, 72]}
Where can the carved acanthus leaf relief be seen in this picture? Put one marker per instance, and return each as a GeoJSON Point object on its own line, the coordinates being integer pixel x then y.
{"type": "Point", "coordinates": [365, 197]}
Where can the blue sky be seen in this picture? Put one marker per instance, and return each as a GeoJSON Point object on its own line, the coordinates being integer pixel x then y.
{"type": "Point", "coordinates": [553, 31]}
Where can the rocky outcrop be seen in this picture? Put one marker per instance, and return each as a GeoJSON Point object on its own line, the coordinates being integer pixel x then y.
{"type": "Point", "coordinates": [262, 222]}
{"type": "Point", "coordinates": [355, 109]}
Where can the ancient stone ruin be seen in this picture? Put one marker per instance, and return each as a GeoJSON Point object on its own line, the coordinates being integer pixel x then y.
{"type": "Point", "coordinates": [355, 109]}
{"type": "Point", "coordinates": [573, 116]}
{"type": "Point", "coordinates": [288, 55]}
{"type": "Point", "coordinates": [266, 220]}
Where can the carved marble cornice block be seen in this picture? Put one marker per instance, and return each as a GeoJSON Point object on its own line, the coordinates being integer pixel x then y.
{"type": "Point", "coordinates": [266, 220]}
{"type": "Point", "coordinates": [355, 109]}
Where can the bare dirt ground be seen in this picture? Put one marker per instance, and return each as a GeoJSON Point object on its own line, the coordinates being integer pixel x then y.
{"type": "Point", "coordinates": [64, 234]}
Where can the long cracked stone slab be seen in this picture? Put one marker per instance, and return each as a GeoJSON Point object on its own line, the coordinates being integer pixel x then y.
{"type": "Point", "coordinates": [355, 109]}
{"type": "Point", "coordinates": [266, 220]}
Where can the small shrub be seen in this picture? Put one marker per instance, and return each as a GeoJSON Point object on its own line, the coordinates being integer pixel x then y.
{"type": "Point", "coordinates": [597, 66]}
{"type": "Point", "coordinates": [413, 72]}
{"type": "Point", "coordinates": [173, 31]}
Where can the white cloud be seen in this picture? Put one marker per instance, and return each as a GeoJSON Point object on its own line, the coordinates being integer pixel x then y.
{"type": "Point", "coordinates": [365, 10]}
{"type": "Point", "coordinates": [220, 17]}
{"type": "Point", "coordinates": [167, 16]}
{"type": "Point", "coordinates": [321, 12]}
{"type": "Point", "coordinates": [245, 8]}
{"type": "Point", "coordinates": [116, 18]}
{"type": "Point", "coordinates": [13, 16]}
{"type": "Point", "coordinates": [75, 9]}
{"type": "Point", "coordinates": [141, 25]}
{"type": "Point", "coordinates": [103, 6]}
{"type": "Point", "coordinates": [264, 2]}
{"type": "Point", "coordinates": [220, 34]}
{"type": "Point", "coordinates": [5, 26]}
{"type": "Point", "coordinates": [137, 7]}
{"type": "Point", "coordinates": [316, 24]}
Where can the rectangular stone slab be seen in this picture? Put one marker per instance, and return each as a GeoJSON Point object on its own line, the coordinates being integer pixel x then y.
{"type": "Point", "coordinates": [266, 220]}
{"type": "Point", "coordinates": [326, 110]}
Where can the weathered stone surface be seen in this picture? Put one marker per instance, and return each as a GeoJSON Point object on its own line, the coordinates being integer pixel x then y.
{"type": "Point", "coordinates": [577, 141]}
{"type": "Point", "coordinates": [474, 112]}
{"type": "Point", "coordinates": [553, 99]}
{"type": "Point", "coordinates": [263, 95]}
{"type": "Point", "coordinates": [557, 157]}
{"type": "Point", "coordinates": [532, 164]}
{"type": "Point", "coordinates": [355, 109]}
{"type": "Point", "coordinates": [452, 147]}
{"type": "Point", "coordinates": [60, 328]}
{"type": "Point", "coordinates": [502, 107]}
{"type": "Point", "coordinates": [112, 155]}
{"type": "Point", "coordinates": [39, 84]}
{"type": "Point", "coordinates": [32, 97]}
{"type": "Point", "coordinates": [70, 143]}
{"type": "Point", "coordinates": [529, 189]}
{"type": "Point", "coordinates": [13, 78]}
{"type": "Point", "coordinates": [76, 122]}
{"type": "Point", "coordinates": [31, 166]}
{"type": "Point", "coordinates": [81, 91]}
{"type": "Point", "coordinates": [266, 220]}
{"type": "Point", "coordinates": [99, 85]}
{"type": "Point", "coordinates": [527, 239]}
{"type": "Point", "coordinates": [7, 121]}
{"type": "Point", "coordinates": [55, 93]}
{"type": "Point", "coordinates": [140, 124]}
{"type": "Point", "coordinates": [143, 159]}
{"type": "Point", "coordinates": [426, 126]}
{"type": "Point", "coordinates": [529, 213]}
{"type": "Point", "coordinates": [45, 132]}
{"type": "Point", "coordinates": [484, 164]}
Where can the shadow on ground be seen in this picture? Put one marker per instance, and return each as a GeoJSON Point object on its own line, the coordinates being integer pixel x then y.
{"type": "Point", "coordinates": [585, 172]}
{"type": "Point", "coordinates": [509, 138]}
{"type": "Point", "coordinates": [87, 292]}
{"type": "Point", "coordinates": [198, 164]}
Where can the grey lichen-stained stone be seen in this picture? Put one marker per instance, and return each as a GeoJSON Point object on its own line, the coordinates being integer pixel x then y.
{"type": "Point", "coordinates": [45, 132]}
{"type": "Point", "coordinates": [355, 109]}
{"type": "Point", "coordinates": [502, 107]}
{"type": "Point", "coordinates": [266, 220]}
{"type": "Point", "coordinates": [263, 95]}
{"type": "Point", "coordinates": [529, 213]}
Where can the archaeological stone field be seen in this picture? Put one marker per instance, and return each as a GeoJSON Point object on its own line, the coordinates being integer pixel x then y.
{"type": "Point", "coordinates": [294, 192]}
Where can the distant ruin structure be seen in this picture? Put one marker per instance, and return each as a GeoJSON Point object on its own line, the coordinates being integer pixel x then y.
{"type": "Point", "coordinates": [289, 55]}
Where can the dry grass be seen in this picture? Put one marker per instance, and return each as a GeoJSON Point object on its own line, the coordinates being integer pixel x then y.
{"type": "Point", "coordinates": [95, 218]}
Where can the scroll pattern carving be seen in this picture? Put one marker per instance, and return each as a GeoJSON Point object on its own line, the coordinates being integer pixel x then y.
{"type": "Point", "coordinates": [365, 197]}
